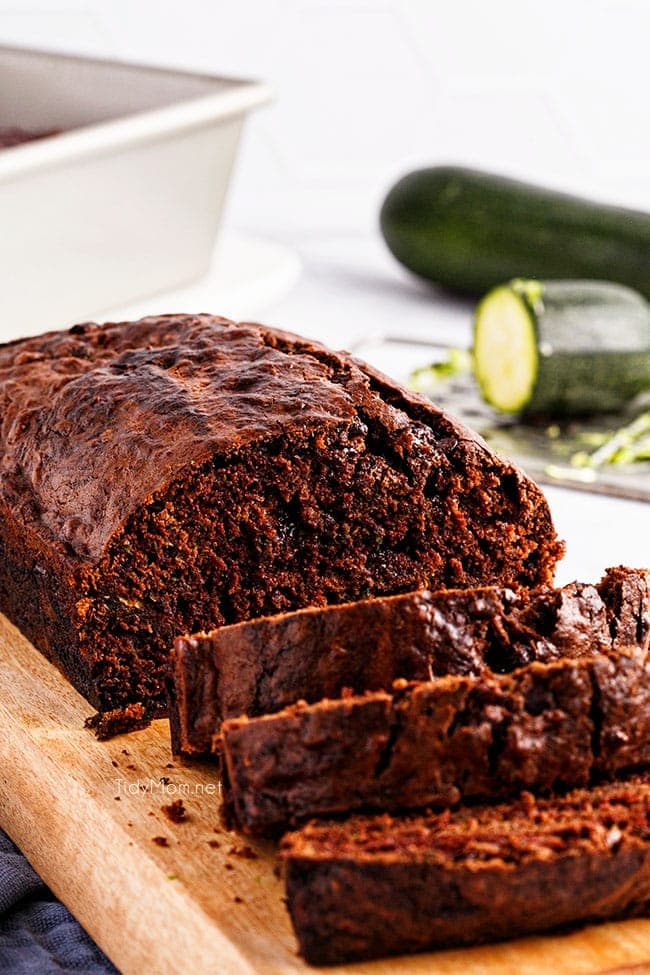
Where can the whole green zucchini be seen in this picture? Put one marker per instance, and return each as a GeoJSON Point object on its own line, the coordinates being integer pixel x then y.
{"type": "Point", "coordinates": [561, 348]}
{"type": "Point", "coordinates": [468, 231]}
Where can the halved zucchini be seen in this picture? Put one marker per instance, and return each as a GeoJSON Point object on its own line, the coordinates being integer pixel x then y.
{"type": "Point", "coordinates": [561, 348]}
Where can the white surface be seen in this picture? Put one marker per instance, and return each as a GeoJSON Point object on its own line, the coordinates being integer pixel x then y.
{"type": "Point", "coordinates": [126, 200]}
{"type": "Point", "coordinates": [366, 89]}
{"type": "Point", "coordinates": [599, 532]}
{"type": "Point", "coordinates": [553, 91]}
{"type": "Point", "coordinates": [246, 275]}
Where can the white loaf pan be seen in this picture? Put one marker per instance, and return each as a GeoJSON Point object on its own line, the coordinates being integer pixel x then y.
{"type": "Point", "coordinates": [126, 201]}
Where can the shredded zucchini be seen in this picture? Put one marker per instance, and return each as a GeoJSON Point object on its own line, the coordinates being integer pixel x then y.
{"type": "Point", "coordinates": [457, 363]}
{"type": "Point", "coordinates": [628, 445]}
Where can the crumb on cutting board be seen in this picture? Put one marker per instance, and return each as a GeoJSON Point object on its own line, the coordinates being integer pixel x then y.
{"type": "Point", "coordinates": [108, 724]}
{"type": "Point", "coordinates": [245, 852]}
{"type": "Point", "coordinates": [175, 811]}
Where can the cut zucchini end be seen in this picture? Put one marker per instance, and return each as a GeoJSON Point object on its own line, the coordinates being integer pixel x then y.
{"type": "Point", "coordinates": [506, 359]}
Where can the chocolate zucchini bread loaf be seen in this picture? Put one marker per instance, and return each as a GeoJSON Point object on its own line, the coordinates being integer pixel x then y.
{"type": "Point", "coordinates": [179, 473]}
{"type": "Point", "coordinates": [375, 886]}
{"type": "Point", "coordinates": [543, 727]}
{"type": "Point", "coordinates": [260, 666]}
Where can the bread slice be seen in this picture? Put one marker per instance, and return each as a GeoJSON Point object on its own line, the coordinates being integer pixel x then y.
{"type": "Point", "coordinates": [626, 594]}
{"type": "Point", "coordinates": [263, 665]}
{"type": "Point", "coordinates": [180, 473]}
{"type": "Point", "coordinates": [372, 886]}
{"type": "Point", "coordinates": [543, 727]}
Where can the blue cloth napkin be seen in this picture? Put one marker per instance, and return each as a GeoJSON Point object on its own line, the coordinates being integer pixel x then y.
{"type": "Point", "coordinates": [38, 935]}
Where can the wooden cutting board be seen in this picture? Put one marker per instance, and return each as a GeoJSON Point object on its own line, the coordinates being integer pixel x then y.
{"type": "Point", "coordinates": [86, 813]}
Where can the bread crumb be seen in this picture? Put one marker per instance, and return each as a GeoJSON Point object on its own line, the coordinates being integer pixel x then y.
{"type": "Point", "coordinates": [175, 811]}
{"type": "Point", "coordinates": [245, 852]}
{"type": "Point", "coordinates": [108, 724]}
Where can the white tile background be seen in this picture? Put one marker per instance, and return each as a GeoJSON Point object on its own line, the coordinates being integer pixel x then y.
{"type": "Point", "coordinates": [555, 92]}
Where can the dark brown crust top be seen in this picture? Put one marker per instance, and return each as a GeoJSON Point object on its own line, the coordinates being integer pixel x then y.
{"type": "Point", "coordinates": [95, 420]}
